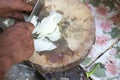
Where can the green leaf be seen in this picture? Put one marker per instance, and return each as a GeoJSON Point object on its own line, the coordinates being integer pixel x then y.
{"type": "Point", "coordinates": [84, 1]}
{"type": "Point", "coordinates": [86, 61]}
{"type": "Point", "coordinates": [117, 48]}
{"type": "Point", "coordinates": [95, 2]}
{"type": "Point", "coordinates": [93, 69]}
{"type": "Point", "coordinates": [115, 33]}
{"type": "Point", "coordinates": [99, 72]}
{"type": "Point", "coordinates": [117, 55]}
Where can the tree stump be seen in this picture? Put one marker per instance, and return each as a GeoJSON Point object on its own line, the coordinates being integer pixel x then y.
{"type": "Point", "coordinates": [78, 34]}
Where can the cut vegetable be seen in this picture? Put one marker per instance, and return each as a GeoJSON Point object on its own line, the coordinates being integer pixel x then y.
{"type": "Point", "coordinates": [48, 25]}
{"type": "Point", "coordinates": [43, 44]}
{"type": "Point", "coordinates": [46, 29]}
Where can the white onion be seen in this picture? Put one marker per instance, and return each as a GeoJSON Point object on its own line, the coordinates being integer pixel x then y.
{"type": "Point", "coordinates": [55, 35]}
{"type": "Point", "coordinates": [34, 20]}
{"type": "Point", "coordinates": [43, 45]}
{"type": "Point", "coordinates": [48, 24]}
{"type": "Point", "coordinates": [47, 28]}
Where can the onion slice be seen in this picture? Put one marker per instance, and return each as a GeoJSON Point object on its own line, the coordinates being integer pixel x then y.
{"type": "Point", "coordinates": [47, 31]}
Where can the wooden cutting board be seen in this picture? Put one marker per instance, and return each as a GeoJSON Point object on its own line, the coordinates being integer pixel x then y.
{"type": "Point", "coordinates": [78, 34]}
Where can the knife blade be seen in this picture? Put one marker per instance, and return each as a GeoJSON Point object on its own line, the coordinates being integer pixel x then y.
{"type": "Point", "coordinates": [36, 10]}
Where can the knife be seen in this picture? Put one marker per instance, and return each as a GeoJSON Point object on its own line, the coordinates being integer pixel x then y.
{"type": "Point", "coordinates": [36, 10]}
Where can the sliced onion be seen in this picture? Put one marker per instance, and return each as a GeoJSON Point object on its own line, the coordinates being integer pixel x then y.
{"type": "Point", "coordinates": [43, 45]}
{"type": "Point", "coordinates": [47, 28]}
{"type": "Point", "coordinates": [48, 24]}
{"type": "Point", "coordinates": [34, 20]}
{"type": "Point", "coordinates": [55, 35]}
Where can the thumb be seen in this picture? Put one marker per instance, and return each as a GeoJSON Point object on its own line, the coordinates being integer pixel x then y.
{"type": "Point", "coordinates": [30, 26]}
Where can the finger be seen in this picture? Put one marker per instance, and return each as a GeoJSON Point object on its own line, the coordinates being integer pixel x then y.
{"type": "Point", "coordinates": [26, 6]}
{"type": "Point", "coordinates": [31, 48]}
{"type": "Point", "coordinates": [26, 25]}
{"type": "Point", "coordinates": [30, 26]}
{"type": "Point", "coordinates": [17, 16]}
{"type": "Point", "coordinates": [14, 15]}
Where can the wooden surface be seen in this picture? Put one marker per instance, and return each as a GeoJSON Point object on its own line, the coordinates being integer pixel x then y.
{"type": "Point", "coordinates": [77, 28]}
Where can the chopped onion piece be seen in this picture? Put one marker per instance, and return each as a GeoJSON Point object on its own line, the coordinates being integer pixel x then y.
{"type": "Point", "coordinates": [47, 31]}
{"type": "Point", "coordinates": [48, 24]}
{"type": "Point", "coordinates": [55, 35]}
{"type": "Point", "coordinates": [43, 45]}
{"type": "Point", "coordinates": [34, 20]}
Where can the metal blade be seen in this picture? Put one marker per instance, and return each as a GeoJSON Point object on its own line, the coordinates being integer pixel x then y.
{"type": "Point", "coordinates": [35, 10]}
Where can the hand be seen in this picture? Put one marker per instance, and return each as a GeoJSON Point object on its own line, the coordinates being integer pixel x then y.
{"type": "Point", "coordinates": [16, 42]}
{"type": "Point", "coordinates": [13, 8]}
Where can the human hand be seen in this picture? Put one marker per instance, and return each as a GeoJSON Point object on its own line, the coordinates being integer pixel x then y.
{"type": "Point", "coordinates": [16, 42]}
{"type": "Point", "coordinates": [13, 8]}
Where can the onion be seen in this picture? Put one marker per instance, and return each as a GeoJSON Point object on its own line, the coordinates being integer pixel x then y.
{"type": "Point", "coordinates": [48, 31]}
{"type": "Point", "coordinates": [55, 35]}
{"type": "Point", "coordinates": [48, 24]}
{"type": "Point", "coordinates": [34, 20]}
{"type": "Point", "coordinates": [43, 45]}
